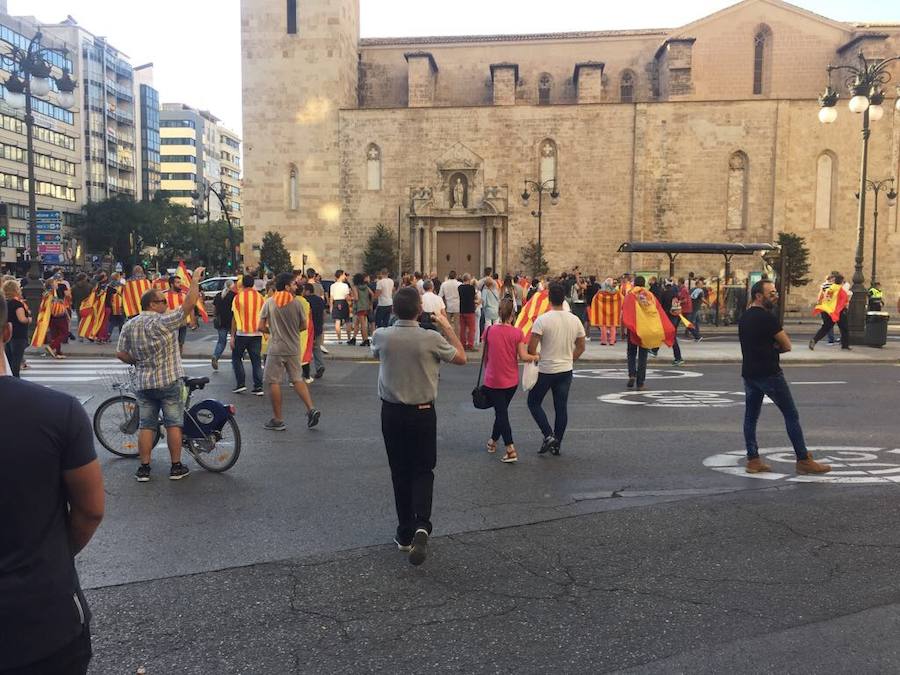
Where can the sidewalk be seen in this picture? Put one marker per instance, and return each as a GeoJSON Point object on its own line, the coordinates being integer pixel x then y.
{"type": "Point", "coordinates": [733, 583]}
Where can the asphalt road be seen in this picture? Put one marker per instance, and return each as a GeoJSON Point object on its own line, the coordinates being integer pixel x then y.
{"type": "Point", "coordinates": [643, 545]}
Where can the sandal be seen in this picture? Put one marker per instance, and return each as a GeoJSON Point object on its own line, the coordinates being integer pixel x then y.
{"type": "Point", "coordinates": [510, 455]}
{"type": "Point", "coordinates": [491, 446]}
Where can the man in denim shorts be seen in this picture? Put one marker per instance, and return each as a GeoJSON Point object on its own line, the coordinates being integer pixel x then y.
{"type": "Point", "coordinates": [149, 342]}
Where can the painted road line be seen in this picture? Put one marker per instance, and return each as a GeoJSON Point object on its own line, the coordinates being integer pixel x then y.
{"type": "Point", "coordinates": [829, 382]}
{"type": "Point", "coordinates": [851, 465]}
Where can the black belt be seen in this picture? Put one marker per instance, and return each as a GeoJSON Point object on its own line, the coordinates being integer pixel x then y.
{"type": "Point", "coordinates": [410, 406]}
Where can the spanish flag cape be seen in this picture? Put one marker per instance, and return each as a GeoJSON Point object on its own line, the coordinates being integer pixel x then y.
{"type": "Point", "coordinates": [186, 277]}
{"type": "Point", "coordinates": [92, 312]}
{"type": "Point", "coordinates": [131, 296]}
{"type": "Point", "coordinates": [645, 320]}
{"type": "Point", "coordinates": [531, 310]}
{"type": "Point", "coordinates": [832, 301]}
{"type": "Point", "coordinates": [43, 321]}
{"type": "Point", "coordinates": [245, 309]}
{"type": "Point", "coordinates": [605, 309]}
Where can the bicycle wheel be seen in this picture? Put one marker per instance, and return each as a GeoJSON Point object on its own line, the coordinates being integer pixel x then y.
{"type": "Point", "coordinates": [112, 420]}
{"type": "Point", "coordinates": [225, 452]}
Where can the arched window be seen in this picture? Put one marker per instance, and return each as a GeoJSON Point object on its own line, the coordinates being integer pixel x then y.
{"type": "Point", "coordinates": [293, 189]}
{"type": "Point", "coordinates": [825, 174]}
{"type": "Point", "coordinates": [548, 160]}
{"type": "Point", "coordinates": [736, 215]}
{"type": "Point", "coordinates": [545, 84]}
{"type": "Point", "coordinates": [762, 47]}
{"type": "Point", "coordinates": [626, 87]}
{"type": "Point", "coordinates": [373, 167]}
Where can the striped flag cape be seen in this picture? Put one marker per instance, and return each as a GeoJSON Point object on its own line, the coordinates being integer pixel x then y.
{"type": "Point", "coordinates": [160, 284]}
{"type": "Point", "coordinates": [645, 319]}
{"type": "Point", "coordinates": [531, 310]}
{"type": "Point", "coordinates": [186, 277]}
{"type": "Point", "coordinates": [832, 301]}
{"type": "Point", "coordinates": [174, 299]}
{"type": "Point", "coordinates": [245, 309]}
{"type": "Point", "coordinates": [131, 296]}
{"type": "Point", "coordinates": [605, 309]}
{"type": "Point", "coordinates": [116, 305]}
{"type": "Point", "coordinates": [43, 321]}
{"type": "Point", "coordinates": [92, 314]}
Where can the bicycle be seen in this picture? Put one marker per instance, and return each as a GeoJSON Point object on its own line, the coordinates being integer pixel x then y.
{"type": "Point", "coordinates": [210, 433]}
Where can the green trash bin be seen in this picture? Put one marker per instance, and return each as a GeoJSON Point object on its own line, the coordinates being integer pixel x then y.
{"type": "Point", "coordinates": [876, 329]}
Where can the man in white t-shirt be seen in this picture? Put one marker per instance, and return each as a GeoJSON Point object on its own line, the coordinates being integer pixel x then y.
{"type": "Point", "coordinates": [384, 291]}
{"type": "Point", "coordinates": [560, 335]}
{"type": "Point", "coordinates": [431, 303]}
{"type": "Point", "coordinates": [450, 295]}
{"type": "Point", "coordinates": [339, 302]}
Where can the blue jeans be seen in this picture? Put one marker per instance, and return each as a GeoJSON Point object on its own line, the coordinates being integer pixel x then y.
{"type": "Point", "coordinates": [252, 344]}
{"type": "Point", "coordinates": [637, 363]}
{"type": "Point", "coordinates": [318, 361]}
{"type": "Point", "coordinates": [776, 388]}
{"type": "Point", "coordinates": [383, 315]}
{"type": "Point", "coordinates": [220, 343]}
{"type": "Point", "coordinates": [169, 399]}
{"type": "Point", "coordinates": [559, 384]}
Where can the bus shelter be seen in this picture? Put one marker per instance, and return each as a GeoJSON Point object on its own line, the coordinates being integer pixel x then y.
{"type": "Point", "coordinates": [727, 250]}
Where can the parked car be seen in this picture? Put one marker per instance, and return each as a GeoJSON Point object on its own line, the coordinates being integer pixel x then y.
{"type": "Point", "coordinates": [210, 288]}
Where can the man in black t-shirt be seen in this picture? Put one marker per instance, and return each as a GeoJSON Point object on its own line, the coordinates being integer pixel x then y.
{"type": "Point", "coordinates": [51, 498]}
{"type": "Point", "coordinates": [467, 304]}
{"type": "Point", "coordinates": [763, 340]}
{"type": "Point", "coordinates": [317, 312]}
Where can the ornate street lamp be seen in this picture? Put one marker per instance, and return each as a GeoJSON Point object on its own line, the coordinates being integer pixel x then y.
{"type": "Point", "coordinates": [549, 186]}
{"type": "Point", "coordinates": [876, 187]}
{"type": "Point", "coordinates": [865, 83]}
{"type": "Point", "coordinates": [31, 76]}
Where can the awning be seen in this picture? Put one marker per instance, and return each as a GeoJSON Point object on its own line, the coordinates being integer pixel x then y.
{"type": "Point", "coordinates": [676, 247]}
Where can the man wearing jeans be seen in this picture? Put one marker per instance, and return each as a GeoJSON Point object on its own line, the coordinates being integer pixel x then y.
{"type": "Point", "coordinates": [762, 341]}
{"type": "Point", "coordinates": [149, 342]}
{"type": "Point", "coordinates": [560, 335]}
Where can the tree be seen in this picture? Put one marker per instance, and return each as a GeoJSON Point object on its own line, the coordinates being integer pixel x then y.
{"type": "Point", "coordinates": [381, 251]}
{"type": "Point", "coordinates": [533, 261]}
{"type": "Point", "coordinates": [273, 255]}
{"type": "Point", "coordinates": [793, 246]}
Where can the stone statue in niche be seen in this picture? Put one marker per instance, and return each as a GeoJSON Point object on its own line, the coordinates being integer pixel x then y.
{"type": "Point", "coordinates": [458, 192]}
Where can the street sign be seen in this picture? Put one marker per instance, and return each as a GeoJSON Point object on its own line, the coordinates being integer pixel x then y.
{"type": "Point", "coordinates": [49, 248]}
{"type": "Point", "coordinates": [51, 258]}
{"type": "Point", "coordinates": [44, 214]}
{"type": "Point", "coordinates": [49, 237]}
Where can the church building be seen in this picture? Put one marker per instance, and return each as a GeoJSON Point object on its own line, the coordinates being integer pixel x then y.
{"type": "Point", "coordinates": [704, 132]}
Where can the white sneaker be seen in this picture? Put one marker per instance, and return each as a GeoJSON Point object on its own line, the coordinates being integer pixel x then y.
{"type": "Point", "coordinates": [323, 350]}
{"type": "Point", "coordinates": [308, 380]}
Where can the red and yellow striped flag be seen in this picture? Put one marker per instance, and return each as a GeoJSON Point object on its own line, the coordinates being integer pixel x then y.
{"type": "Point", "coordinates": [160, 284]}
{"type": "Point", "coordinates": [174, 299]}
{"type": "Point", "coordinates": [645, 320]}
{"type": "Point", "coordinates": [116, 305]}
{"type": "Point", "coordinates": [605, 309]}
{"type": "Point", "coordinates": [245, 309]}
{"type": "Point", "coordinates": [43, 321]}
{"type": "Point", "coordinates": [185, 275]}
{"type": "Point", "coordinates": [92, 315]}
{"type": "Point", "coordinates": [531, 310]}
{"type": "Point", "coordinates": [131, 296]}
{"type": "Point", "coordinates": [832, 301]}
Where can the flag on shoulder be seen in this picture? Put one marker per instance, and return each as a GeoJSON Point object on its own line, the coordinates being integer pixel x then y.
{"type": "Point", "coordinates": [531, 310]}
{"type": "Point", "coordinates": [645, 320]}
{"type": "Point", "coordinates": [605, 309]}
{"type": "Point", "coordinates": [131, 296]}
{"type": "Point", "coordinates": [832, 301]}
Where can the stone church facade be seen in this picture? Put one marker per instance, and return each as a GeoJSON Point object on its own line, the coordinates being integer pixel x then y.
{"type": "Point", "coordinates": [707, 132]}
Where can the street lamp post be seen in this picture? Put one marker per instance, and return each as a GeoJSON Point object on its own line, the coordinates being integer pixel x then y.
{"type": "Point", "coordinates": [548, 185]}
{"type": "Point", "coordinates": [207, 189]}
{"type": "Point", "coordinates": [865, 81]}
{"type": "Point", "coordinates": [31, 76]}
{"type": "Point", "coordinates": [875, 187]}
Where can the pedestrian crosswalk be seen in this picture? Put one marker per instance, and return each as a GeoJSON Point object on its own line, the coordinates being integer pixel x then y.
{"type": "Point", "coordinates": [330, 337]}
{"type": "Point", "coordinates": [75, 370]}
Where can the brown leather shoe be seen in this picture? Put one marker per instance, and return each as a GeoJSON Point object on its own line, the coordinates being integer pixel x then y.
{"type": "Point", "coordinates": [809, 465]}
{"type": "Point", "coordinates": [756, 465]}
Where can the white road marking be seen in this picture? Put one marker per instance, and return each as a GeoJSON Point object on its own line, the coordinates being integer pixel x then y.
{"type": "Point", "coordinates": [677, 399]}
{"type": "Point", "coordinates": [622, 373]}
{"type": "Point", "coordinates": [831, 382]}
{"type": "Point", "coordinates": [849, 465]}
{"type": "Point", "coordinates": [84, 370]}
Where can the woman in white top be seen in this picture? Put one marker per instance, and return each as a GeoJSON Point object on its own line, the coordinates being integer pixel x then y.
{"type": "Point", "coordinates": [339, 306]}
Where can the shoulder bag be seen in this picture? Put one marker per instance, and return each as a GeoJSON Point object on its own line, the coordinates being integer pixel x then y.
{"type": "Point", "coordinates": [480, 399]}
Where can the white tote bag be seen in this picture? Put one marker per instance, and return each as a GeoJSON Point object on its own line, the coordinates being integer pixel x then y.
{"type": "Point", "coordinates": [529, 376]}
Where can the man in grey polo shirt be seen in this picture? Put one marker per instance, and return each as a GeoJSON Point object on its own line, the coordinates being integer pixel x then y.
{"type": "Point", "coordinates": [407, 385]}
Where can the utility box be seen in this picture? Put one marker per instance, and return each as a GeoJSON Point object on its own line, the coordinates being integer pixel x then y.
{"type": "Point", "coordinates": [876, 329]}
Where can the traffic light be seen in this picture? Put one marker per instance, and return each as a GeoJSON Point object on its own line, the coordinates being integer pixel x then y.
{"type": "Point", "coordinates": [4, 234]}
{"type": "Point", "coordinates": [228, 263]}
{"type": "Point", "coordinates": [4, 225]}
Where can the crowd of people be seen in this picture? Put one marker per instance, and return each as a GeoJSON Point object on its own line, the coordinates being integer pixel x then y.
{"type": "Point", "coordinates": [543, 323]}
